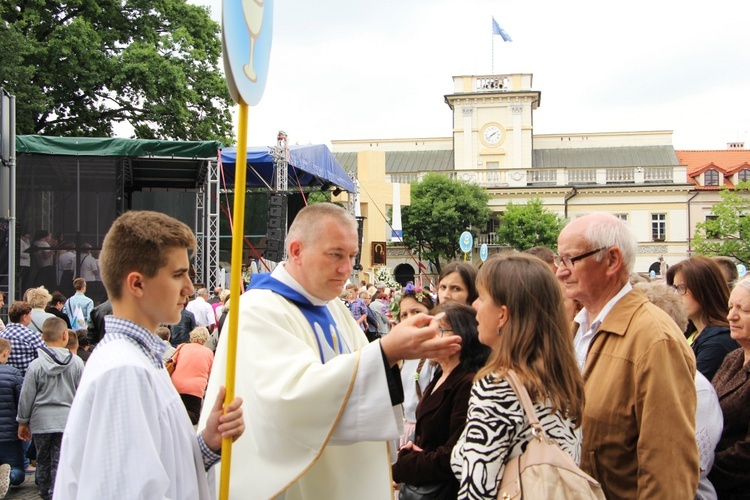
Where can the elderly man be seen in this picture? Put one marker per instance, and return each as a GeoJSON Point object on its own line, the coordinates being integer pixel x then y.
{"type": "Point", "coordinates": [322, 401]}
{"type": "Point", "coordinates": [639, 419]}
{"type": "Point", "coordinates": [202, 310]}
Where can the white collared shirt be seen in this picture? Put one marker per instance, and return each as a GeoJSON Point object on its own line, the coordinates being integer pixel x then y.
{"type": "Point", "coordinates": [203, 312]}
{"type": "Point", "coordinates": [586, 331]}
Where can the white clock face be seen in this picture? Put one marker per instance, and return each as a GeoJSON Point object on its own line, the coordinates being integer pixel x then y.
{"type": "Point", "coordinates": [492, 135]}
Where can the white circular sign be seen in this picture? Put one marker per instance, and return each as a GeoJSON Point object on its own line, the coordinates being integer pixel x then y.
{"type": "Point", "coordinates": [466, 241]}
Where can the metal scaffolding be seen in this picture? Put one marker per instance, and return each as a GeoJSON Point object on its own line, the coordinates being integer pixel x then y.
{"type": "Point", "coordinates": [207, 229]}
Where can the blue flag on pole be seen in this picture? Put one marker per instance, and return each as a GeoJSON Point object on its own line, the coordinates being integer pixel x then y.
{"type": "Point", "coordinates": [497, 30]}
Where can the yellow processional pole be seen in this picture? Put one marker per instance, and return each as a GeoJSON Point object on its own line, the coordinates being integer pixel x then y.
{"type": "Point", "coordinates": [235, 288]}
{"type": "Point", "coordinates": [246, 41]}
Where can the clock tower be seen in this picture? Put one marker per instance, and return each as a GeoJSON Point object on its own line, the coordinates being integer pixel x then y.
{"type": "Point", "coordinates": [492, 121]}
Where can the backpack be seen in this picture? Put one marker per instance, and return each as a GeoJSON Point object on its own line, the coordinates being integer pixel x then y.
{"type": "Point", "coordinates": [544, 470]}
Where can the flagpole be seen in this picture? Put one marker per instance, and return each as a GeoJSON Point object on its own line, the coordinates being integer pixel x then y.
{"type": "Point", "coordinates": [492, 41]}
{"type": "Point", "coordinates": [235, 288]}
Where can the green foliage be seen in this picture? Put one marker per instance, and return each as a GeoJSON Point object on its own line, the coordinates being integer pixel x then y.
{"type": "Point", "coordinates": [314, 197]}
{"type": "Point", "coordinates": [729, 233]}
{"type": "Point", "coordinates": [79, 66]}
{"type": "Point", "coordinates": [529, 225]}
{"type": "Point", "coordinates": [441, 209]}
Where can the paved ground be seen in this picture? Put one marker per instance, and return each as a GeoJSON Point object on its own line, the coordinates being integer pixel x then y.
{"type": "Point", "coordinates": [26, 491]}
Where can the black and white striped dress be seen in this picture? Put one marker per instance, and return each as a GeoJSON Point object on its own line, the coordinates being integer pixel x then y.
{"type": "Point", "coordinates": [496, 429]}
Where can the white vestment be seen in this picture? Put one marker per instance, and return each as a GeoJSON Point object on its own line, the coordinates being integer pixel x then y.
{"type": "Point", "coordinates": [128, 434]}
{"type": "Point", "coordinates": [314, 430]}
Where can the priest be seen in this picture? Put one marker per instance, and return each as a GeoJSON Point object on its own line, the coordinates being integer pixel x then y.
{"type": "Point", "coordinates": [321, 402]}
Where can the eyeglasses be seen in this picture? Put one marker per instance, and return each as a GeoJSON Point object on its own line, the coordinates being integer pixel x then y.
{"type": "Point", "coordinates": [680, 289]}
{"type": "Point", "coordinates": [443, 330]}
{"type": "Point", "coordinates": [570, 261]}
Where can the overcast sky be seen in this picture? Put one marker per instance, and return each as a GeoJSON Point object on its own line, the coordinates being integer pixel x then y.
{"type": "Point", "coordinates": [359, 69]}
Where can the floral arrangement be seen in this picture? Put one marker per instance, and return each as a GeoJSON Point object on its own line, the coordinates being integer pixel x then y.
{"type": "Point", "coordinates": [417, 292]}
{"type": "Point", "coordinates": [385, 275]}
{"type": "Point", "coordinates": [409, 289]}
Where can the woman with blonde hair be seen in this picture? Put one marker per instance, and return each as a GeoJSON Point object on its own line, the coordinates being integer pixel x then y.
{"type": "Point", "coordinates": [39, 298]}
{"type": "Point", "coordinates": [193, 363]}
{"type": "Point", "coordinates": [521, 317]}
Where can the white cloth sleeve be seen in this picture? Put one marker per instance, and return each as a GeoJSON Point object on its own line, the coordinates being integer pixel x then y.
{"type": "Point", "coordinates": [368, 414]}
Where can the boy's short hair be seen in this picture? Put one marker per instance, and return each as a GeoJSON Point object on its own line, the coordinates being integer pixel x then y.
{"type": "Point", "coordinates": [17, 310]}
{"type": "Point", "coordinates": [163, 332]}
{"type": "Point", "coordinates": [139, 241]}
{"type": "Point", "coordinates": [72, 340]}
{"type": "Point", "coordinates": [83, 339]}
{"type": "Point", "coordinates": [52, 329]}
{"type": "Point", "coordinates": [79, 284]}
{"type": "Point", "coordinates": [4, 345]}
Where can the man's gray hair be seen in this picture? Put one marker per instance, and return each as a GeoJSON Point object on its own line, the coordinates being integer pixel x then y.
{"type": "Point", "coordinates": [613, 232]}
{"type": "Point", "coordinates": [201, 292]}
{"type": "Point", "coordinates": [744, 283]}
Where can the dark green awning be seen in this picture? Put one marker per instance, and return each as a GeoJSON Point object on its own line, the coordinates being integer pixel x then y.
{"type": "Point", "coordinates": [99, 146]}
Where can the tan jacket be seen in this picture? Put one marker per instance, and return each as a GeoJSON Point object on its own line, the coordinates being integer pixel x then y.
{"type": "Point", "coordinates": [639, 416]}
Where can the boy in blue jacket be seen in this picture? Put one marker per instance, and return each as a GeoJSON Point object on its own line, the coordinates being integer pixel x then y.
{"type": "Point", "coordinates": [11, 452]}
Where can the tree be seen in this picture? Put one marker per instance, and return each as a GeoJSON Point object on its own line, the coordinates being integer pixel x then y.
{"type": "Point", "coordinates": [729, 232]}
{"type": "Point", "coordinates": [441, 209]}
{"type": "Point", "coordinates": [529, 225]}
{"type": "Point", "coordinates": [80, 66]}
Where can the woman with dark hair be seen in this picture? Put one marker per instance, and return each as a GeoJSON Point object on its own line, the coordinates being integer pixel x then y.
{"type": "Point", "coordinates": [705, 294]}
{"type": "Point", "coordinates": [55, 306]}
{"type": "Point", "coordinates": [441, 414]}
{"type": "Point", "coordinates": [457, 282]}
{"type": "Point", "coordinates": [521, 317]}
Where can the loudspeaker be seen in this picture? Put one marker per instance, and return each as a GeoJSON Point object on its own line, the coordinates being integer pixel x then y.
{"type": "Point", "coordinates": [276, 227]}
{"type": "Point", "coordinates": [274, 250]}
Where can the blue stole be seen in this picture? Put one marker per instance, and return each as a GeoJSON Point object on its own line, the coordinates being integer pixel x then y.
{"type": "Point", "coordinates": [326, 333]}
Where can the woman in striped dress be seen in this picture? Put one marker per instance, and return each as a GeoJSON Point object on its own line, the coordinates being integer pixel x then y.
{"type": "Point", "coordinates": [521, 317]}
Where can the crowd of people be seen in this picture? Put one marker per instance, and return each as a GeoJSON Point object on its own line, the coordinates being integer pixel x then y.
{"type": "Point", "coordinates": [365, 391]}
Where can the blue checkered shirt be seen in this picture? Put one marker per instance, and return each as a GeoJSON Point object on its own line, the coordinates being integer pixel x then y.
{"type": "Point", "coordinates": [358, 308]}
{"type": "Point", "coordinates": [24, 343]}
{"type": "Point", "coordinates": [153, 348]}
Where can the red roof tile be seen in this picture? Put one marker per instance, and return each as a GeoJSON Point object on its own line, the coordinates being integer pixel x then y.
{"type": "Point", "coordinates": [725, 160]}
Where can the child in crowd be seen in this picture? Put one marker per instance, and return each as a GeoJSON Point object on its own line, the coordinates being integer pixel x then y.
{"type": "Point", "coordinates": [48, 390]}
{"type": "Point", "coordinates": [11, 452]}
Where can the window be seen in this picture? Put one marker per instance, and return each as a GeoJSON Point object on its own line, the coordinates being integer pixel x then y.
{"type": "Point", "coordinates": [622, 217]}
{"type": "Point", "coordinates": [743, 175]}
{"type": "Point", "coordinates": [658, 227]}
{"type": "Point", "coordinates": [711, 178]}
{"type": "Point", "coordinates": [493, 174]}
{"type": "Point", "coordinates": [712, 230]}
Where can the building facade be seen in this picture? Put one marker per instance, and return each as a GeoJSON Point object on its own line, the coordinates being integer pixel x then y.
{"type": "Point", "coordinates": [637, 176]}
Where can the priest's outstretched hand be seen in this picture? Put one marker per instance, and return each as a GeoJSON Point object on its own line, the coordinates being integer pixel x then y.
{"type": "Point", "coordinates": [418, 337]}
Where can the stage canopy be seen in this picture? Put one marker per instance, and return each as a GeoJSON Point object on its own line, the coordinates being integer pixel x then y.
{"type": "Point", "coordinates": [311, 165]}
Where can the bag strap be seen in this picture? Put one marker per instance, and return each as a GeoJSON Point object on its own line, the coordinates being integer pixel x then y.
{"type": "Point", "coordinates": [36, 326]}
{"type": "Point", "coordinates": [526, 404]}
{"type": "Point", "coordinates": [173, 357]}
